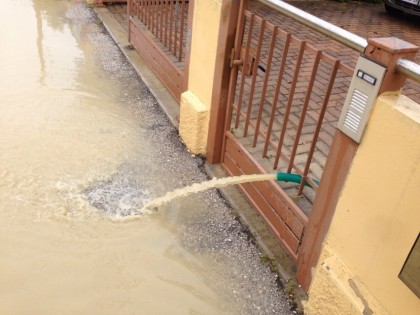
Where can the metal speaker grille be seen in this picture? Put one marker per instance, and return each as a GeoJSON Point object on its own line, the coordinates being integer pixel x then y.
{"type": "Point", "coordinates": [355, 110]}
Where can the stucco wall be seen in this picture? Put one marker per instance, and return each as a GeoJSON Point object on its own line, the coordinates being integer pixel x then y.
{"type": "Point", "coordinates": [203, 48]}
{"type": "Point", "coordinates": [194, 123]}
{"type": "Point", "coordinates": [377, 220]}
{"type": "Point", "coordinates": [201, 75]}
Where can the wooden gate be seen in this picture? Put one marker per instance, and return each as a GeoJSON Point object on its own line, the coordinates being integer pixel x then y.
{"type": "Point", "coordinates": [158, 30]}
{"type": "Point", "coordinates": [285, 97]}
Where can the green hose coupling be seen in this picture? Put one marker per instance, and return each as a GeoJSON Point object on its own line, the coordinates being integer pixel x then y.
{"type": "Point", "coordinates": [294, 178]}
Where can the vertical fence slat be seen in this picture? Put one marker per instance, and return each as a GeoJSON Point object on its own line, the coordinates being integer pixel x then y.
{"type": "Point", "coordinates": [171, 19]}
{"type": "Point", "coordinates": [304, 109]}
{"type": "Point", "coordinates": [264, 91]}
{"type": "Point", "coordinates": [176, 27]}
{"type": "Point", "coordinates": [141, 10]}
{"type": "Point", "coordinates": [146, 12]}
{"type": "Point", "coordinates": [166, 25]}
{"type": "Point", "coordinates": [254, 76]}
{"type": "Point", "coordinates": [319, 123]}
{"type": "Point", "coordinates": [244, 69]}
{"type": "Point", "coordinates": [277, 92]}
{"type": "Point", "coordinates": [155, 17]}
{"type": "Point", "coordinates": [130, 8]}
{"type": "Point", "coordinates": [289, 103]}
{"type": "Point", "coordinates": [149, 14]}
{"type": "Point", "coordinates": [181, 32]}
{"type": "Point", "coordinates": [161, 9]}
{"type": "Point", "coordinates": [152, 15]}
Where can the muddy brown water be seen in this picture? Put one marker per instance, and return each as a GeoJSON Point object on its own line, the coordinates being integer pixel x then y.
{"type": "Point", "coordinates": [75, 156]}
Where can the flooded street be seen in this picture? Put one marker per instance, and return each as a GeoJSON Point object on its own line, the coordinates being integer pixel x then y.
{"type": "Point", "coordinates": [83, 143]}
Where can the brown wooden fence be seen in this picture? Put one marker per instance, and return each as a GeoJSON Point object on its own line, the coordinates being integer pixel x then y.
{"type": "Point", "coordinates": [158, 30]}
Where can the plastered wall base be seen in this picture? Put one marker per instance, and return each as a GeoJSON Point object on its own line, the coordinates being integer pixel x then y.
{"type": "Point", "coordinates": [336, 290]}
{"type": "Point", "coordinates": [194, 122]}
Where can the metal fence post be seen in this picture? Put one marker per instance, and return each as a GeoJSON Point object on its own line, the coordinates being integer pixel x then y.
{"type": "Point", "coordinates": [387, 51]}
{"type": "Point", "coordinates": [228, 24]}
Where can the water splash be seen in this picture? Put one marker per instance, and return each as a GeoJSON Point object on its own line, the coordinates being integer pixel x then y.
{"type": "Point", "coordinates": [197, 187]}
{"type": "Point", "coordinates": [119, 197]}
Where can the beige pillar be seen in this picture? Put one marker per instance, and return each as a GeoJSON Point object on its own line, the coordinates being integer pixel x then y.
{"type": "Point", "coordinates": [196, 101]}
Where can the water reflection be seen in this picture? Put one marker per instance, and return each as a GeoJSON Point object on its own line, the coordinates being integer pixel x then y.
{"type": "Point", "coordinates": [40, 36]}
{"type": "Point", "coordinates": [53, 13]}
{"type": "Point", "coordinates": [57, 50]}
{"type": "Point", "coordinates": [81, 137]}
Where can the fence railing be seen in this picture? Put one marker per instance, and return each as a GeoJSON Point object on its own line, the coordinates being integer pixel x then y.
{"type": "Point", "coordinates": [166, 19]}
{"type": "Point", "coordinates": [287, 93]}
{"type": "Point", "coordinates": [409, 68]}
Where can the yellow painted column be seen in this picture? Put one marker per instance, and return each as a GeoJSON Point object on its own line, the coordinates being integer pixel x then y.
{"type": "Point", "coordinates": [377, 220]}
{"type": "Point", "coordinates": [196, 101]}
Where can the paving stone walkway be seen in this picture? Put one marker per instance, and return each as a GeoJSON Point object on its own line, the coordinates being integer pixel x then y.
{"type": "Point", "coordinates": [367, 20]}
